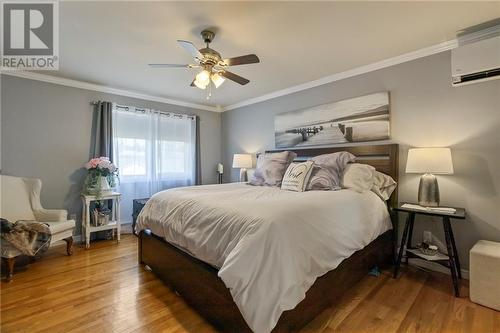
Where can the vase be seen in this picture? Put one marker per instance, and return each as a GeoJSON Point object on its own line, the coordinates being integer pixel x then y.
{"type": "Point", "coordinates": [104, 186]}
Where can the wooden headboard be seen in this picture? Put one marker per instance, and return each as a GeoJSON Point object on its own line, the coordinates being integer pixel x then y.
{"type": "Point", "coordinates": [383, 158]}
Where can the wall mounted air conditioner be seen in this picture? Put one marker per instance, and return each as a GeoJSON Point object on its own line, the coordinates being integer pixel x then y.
{"type": "Point", "coordinates": [476, 62]}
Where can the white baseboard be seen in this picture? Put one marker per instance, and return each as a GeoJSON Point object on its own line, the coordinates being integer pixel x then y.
{"type": "Point", "coordinates": [126, 228]}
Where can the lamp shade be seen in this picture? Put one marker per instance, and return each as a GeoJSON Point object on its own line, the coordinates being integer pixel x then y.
{"type": "Point", "coordinates": [429, 160]}
{"type": "Point", "coordinates": [242, 161]}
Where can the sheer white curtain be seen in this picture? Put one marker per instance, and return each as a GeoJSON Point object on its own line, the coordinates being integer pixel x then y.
{"type": "Point", "coordinates": [153, 151]}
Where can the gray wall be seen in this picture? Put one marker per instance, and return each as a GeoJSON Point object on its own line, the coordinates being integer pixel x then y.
{"type": "Point", "coordinates": [425, 111]}
{"type": "Point", "coordinates": [46, 132]}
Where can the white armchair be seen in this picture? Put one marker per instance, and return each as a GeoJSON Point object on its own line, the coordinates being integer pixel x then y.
{"type": "Point", "coordinates": [20, 200]}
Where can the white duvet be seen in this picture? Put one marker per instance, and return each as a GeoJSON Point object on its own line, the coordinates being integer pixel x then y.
{"type": "Point", "coordinates": [270, 245]}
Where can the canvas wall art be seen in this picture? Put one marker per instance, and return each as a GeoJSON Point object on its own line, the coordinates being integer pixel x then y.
{"type": "Point", "coordinates": [359, 119]}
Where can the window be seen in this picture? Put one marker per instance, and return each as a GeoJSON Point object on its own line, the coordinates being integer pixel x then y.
{"type": "Point", "coordinates": [153, 151]}
{"type": "Point", "coordinates": [132, 156]}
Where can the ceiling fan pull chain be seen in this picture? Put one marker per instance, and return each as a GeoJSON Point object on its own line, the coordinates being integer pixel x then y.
{"type": "Point", "coordinates": [209, 91]}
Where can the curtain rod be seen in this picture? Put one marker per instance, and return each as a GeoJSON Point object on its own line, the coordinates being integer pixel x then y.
{"type": "Point", "coordinates": [141, 109]}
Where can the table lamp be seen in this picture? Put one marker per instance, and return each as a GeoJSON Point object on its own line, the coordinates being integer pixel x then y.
{"type": "Point", "coordinates": [220, 172]}
{"type": "Point", "coordinates": [429, 161]}
{"type": "Point", "coordinates": [242, 161]}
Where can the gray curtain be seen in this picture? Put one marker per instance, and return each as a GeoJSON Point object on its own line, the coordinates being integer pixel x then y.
{"type": "Point", "coordinates": [103, 130]}
{"type": "Point", "coordinates": [102, 140]}
{"type": "Point", "coordinates": [197, 152]}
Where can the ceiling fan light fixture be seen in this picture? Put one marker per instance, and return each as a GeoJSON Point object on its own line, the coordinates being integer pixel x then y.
{"type": "Point", "coordinates": [202, 79]}
{"type": "Point", "coordinates": [213, 66]}
{"type": "Point", "coordinates": [200, 85]}
{"type": "Point", "coordinates": [217, 79]}
{"type": "Point", "coordinates": [203, 76]}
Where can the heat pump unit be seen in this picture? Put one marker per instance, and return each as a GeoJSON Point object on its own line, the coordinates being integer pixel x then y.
{"type": "Point", "coordinates": [476, 62]}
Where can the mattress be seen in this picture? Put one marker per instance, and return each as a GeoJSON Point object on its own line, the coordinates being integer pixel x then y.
{"type": "Point", "coordinates": [269, 245]}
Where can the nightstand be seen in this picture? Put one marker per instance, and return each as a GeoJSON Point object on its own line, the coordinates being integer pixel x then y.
{"type": "Point", "coordinates": [114, 224]}
{"type": "Point", "coordinates": [451, 260]}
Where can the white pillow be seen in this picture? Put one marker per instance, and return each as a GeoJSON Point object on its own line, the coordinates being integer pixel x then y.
{"type": "Point", "coordinates": [383, 185]}
{"type": "Point", "coordinates": [296, 176]}
{"type": "Point", "coordinates": [358, 177]}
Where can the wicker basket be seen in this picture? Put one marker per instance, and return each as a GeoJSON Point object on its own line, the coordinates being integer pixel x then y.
{"type": "Point", "coordinates": [100, 218]}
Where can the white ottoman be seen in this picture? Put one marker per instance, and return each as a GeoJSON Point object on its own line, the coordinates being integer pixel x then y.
{"type": "Point", "coordinates": [484, 274]}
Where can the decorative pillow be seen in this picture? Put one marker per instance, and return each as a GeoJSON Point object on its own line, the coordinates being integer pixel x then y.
{"type": "Point", "coordinates": [271, 167]}
{"type": "Point", "coordinates": [383, 185]}
{"type": "Point", "coordinates": [327, 170]}
{"type": "Point", "coordinates": [358, 177]}
{"type": "Point", "coordinates": [250, 173]}
{"type": "Point", "coordinates": [296, 176]}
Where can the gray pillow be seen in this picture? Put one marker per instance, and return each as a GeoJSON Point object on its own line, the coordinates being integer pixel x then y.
{"type": "Point", "coordinates": [271, 168]}
{"type": "Point", "coordinates": [328, 169]}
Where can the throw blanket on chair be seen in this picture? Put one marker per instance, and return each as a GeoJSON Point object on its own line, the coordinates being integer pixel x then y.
{"type": "Point", "coordinates": [27, 237]}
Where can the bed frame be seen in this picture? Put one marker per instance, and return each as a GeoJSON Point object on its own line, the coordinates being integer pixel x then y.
{"type": "Point", "coordinates": [199, 285]}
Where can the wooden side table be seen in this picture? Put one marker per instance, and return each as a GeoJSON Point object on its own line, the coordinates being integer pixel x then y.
{"type": "Point", "coordinates": [114, 223]}
{"type": "Point", "coordinates": [451, 260]}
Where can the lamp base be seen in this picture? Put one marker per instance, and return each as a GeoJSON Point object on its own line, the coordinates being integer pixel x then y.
{"type": "Point", "coordinates": [428, 191]}
{"type": "Point", "coordinates": [243, 175]}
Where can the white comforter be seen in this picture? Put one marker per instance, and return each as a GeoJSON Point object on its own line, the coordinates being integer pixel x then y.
{"type": "Point", "coordinates": [270, 245]}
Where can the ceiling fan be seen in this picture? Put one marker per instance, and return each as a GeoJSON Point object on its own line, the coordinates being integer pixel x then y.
{"type": "Point", "coordinates": [214, 67]}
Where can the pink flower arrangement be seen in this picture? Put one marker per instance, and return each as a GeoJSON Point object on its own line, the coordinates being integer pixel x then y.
{"type": "Point", "coordinates": [93, 163]}
{"type": "Point", "coordinates": [102, 164]}
{"type": "Point", "coordinates": [97, 169]}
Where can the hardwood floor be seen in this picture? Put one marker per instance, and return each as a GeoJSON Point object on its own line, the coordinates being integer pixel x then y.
{"type": "Point", "coordinates": [104, 289]}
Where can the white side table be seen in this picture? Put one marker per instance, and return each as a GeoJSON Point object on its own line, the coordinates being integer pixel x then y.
{"type": "Point", "coordinates": [114, 223]}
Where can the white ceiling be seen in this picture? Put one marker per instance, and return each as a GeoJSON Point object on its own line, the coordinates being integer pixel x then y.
{"type": "Point", "coordinates": [111, 43]}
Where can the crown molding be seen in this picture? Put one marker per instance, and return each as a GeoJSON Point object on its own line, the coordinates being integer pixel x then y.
{"type": "Point", "coordinates": [105, 89]}
{"type": "Point", "coordinates": [465, 37]}
{"type": "Point", "coordinates": [424, 52]}
{"type": "Point", "coordinates": [421, 53]}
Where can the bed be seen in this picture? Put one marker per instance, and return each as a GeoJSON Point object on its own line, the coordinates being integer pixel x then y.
{"type": "Point", "coordinates": [266, 245]}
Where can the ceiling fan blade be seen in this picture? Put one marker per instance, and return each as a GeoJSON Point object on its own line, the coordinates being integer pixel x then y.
{"type": "Point", "coordinates": [188, 46]}
{"type": "Point", "coordinates": [234, 77]}
{"type": "Point", "coordinates": [171, 66]}
{"type": "Point", "coordinates": [242, 60]}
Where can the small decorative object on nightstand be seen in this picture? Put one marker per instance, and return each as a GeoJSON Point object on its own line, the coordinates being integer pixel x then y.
{"type": "Point", "coordinates": [451, 260]}
{"type": "Point", "coordinates": [114, 222]}
{"type": "Point", "coordinates": [242, 161]}
{"type": "Point", "coordinates": [220, 172]}
{"type": "Point", "coordinates": [429, 161]}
